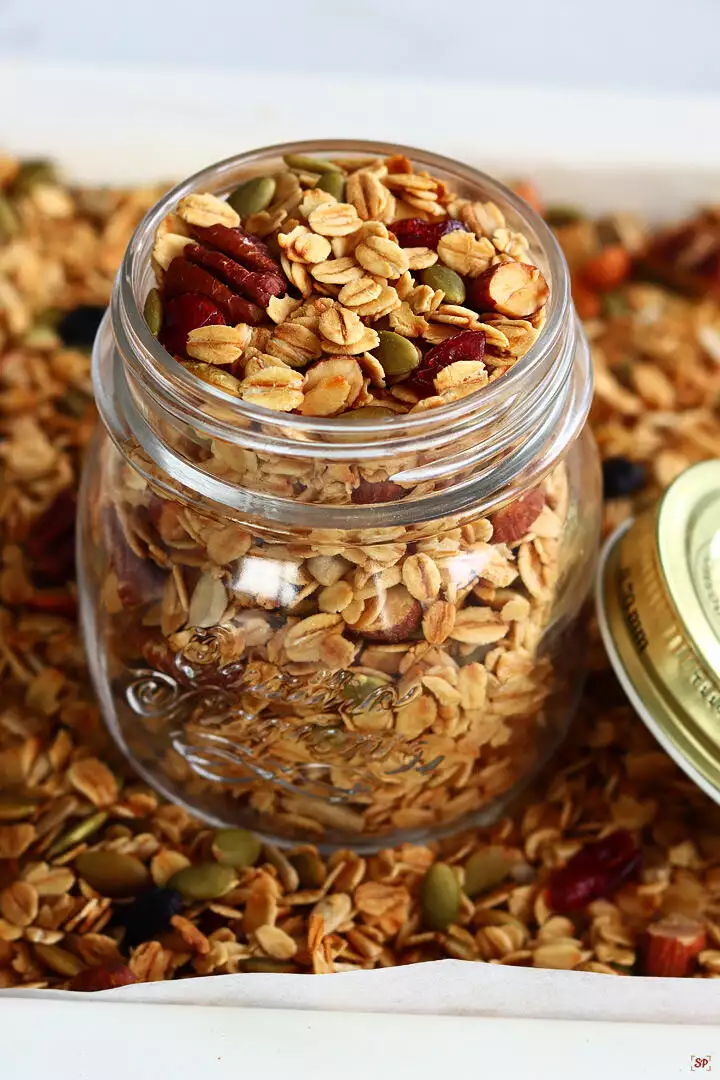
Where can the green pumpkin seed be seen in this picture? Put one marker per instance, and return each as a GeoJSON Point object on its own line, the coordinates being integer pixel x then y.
{"type": "Point", "coordinates": [268, 965]}
{"type": "Point", "coordinates": [16, 808]}
{"type": "Point", "coordinates": [32, 173]}
{"type": "Point", "coordinates": [111, 873]}
{"type": "Point", "coordinates": [303, 163]}
{"type": "Point", "coordinates": [311, 869]}
{"type": "Point", "coordinates": [236, 847]}
{"type": "Point", "coordinates": [9, 223]}
{"type": "Point", "coordinates": [442, 277]}
{"type": "Point", "coordinates": [253, 196]}
{"type": "Point", "coordinates": [153, 311]}
{"type": "Point", "coordinates": [440, 897]}
{"type": "Point", "coordinates": [485, 869]}
{"type": "Point", "coordinates": [368, 412]}
{"type": "Point", "coordinates": [333, 183]}
{"type": "Point", "coordinates": [361, 687]}
{"type": "Point", "coordinates": [208, 881]}
{"type": "Point", "coordinates": [397, 355]}
{"type": "Point", "coordinates": [78, 833]}
{"type": "Point", "coordinates": [560, 215]}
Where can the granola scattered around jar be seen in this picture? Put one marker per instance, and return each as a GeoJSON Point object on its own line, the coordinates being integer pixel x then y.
{"type": "Point", "coordinates": [340, 683]}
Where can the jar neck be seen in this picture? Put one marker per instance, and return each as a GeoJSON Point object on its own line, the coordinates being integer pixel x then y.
{"type": "Point", "coordinates": [452, 460]}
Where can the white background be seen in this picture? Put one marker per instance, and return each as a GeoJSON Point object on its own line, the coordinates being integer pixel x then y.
{"type": "Point", "coordinates": [646, 45]}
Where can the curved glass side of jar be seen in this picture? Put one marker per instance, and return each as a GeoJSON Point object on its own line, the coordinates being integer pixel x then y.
{"type": "Point", "coordinates": [348, 693]}
{"type": "Point", "coordinates": [318, 629]}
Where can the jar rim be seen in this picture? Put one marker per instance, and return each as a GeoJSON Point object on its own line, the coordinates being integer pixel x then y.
{"type": "Point", "coordinates": [181, 387]}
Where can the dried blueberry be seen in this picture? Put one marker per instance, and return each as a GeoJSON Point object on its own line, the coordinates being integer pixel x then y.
{"type": "Point", "coordinates": [78, 327]}
{"type": "Point", "coordinates": [622, 477]}
{"type": "Point", "coordinates": [149, 915]}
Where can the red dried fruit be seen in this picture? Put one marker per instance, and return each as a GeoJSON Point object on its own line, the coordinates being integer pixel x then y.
{"type": "Point", "coordinates": [51, 544]}
{"type": "Point", "coordinates": [255, 285]}
{"type": "Point", "coordinates": [182, 276]}
{"type": "Point", "coordinates": [671, 945]}
{"type": "Point", "coordinates": [467, 346]}
{"type": "Point", "coordinates": [596, 870]}
{"type": "Point", "coordinates": [56, 601]}
{"type": "Point", "coordinates": [414, 232]}
{"type": "Point", "coordinates": [383, 491]}
{"type": "Point", "coordinates": [102, 977]}
{"type": "Point", "coordinates": [513, 521]}
{"type": "Point", "coordinates": [239, 245]}
{"type": "Point", "coordinates": [187, 312]}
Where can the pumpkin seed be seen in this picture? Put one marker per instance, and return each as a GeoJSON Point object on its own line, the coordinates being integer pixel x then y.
{"type": "Point", "coordinates": [15, 808]}
{"type": "Point", "coordinates": [9, 223]}
{"type": "Point", "coordinates": [397, 354]}
{"type": "Point", "coordinates": [368, 412]}
{"type": "Point", "coordinates": [253, 196]}
{"type": "Point", "coordinates": [439, 897]}
{"type": "Point", "coordinates": [266, 964]}
{"type": "Point", "coordinates": [32, 173]}
{"type": "Point", "coordinates": [208, 881]}
{"type": "Point", "coordinates": [236, 847]}
{"type": "Point", "coordinates": [361, 686]}
{"type": "Point", "coordinates": [310, 867]}
{"type": "Point", "coordinates": [78, 833]}
{"type": "Point", "coordinates": [485, 869]}
{"type": "Point", "coordinates": [442, 277]}
{"type": "Point", "coordinates": [303, 163]}
{"type": "Point", "coordinates": [333, 183]}
{"type": "Point", "coordinates": [60, 961]}
{"type": "Point", "coordinates": [153, 311]}
{"type": "Point", "coordinates": [111, 873]}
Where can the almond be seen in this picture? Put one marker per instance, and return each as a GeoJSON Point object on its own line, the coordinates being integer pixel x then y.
{"type": "Point", "coordinates": [513, 521]}
{"type": "Point", "coordinates": [672, 945]}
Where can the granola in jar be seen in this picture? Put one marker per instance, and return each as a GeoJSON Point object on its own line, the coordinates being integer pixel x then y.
{"type": "Point", "coordinates": [337, 546]}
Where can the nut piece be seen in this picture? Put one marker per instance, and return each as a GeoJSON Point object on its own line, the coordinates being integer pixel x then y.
{"type": "Point", "coordinates": [672, 945]}
{"type": "Point", "coordinates": [396, 619]}
{"type": "Point", "coordinates": [218, 344]}
{"type": "Point", "coordinates": [203, 209]}
{"type": "Point", "coordinates": [512, 522]}
{"type": "Point", "coordinates": [102, 977]}
{"type": "Point", "coordinates": [512, 288]}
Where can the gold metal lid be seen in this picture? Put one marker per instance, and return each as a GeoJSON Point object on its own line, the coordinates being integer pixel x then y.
{"type": "Point", "coordinates": [658, 602]}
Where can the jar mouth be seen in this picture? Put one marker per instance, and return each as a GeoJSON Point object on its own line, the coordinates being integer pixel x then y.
{"type": "Point", "coordinates": [223, 416]}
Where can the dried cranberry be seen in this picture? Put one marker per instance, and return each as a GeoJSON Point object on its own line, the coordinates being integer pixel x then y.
{"type": "Point", "coordinates": [467, 346]}
{"type": "Point", "coordinates": [51, 544]}
{"type": "Point", "coordinates": [596, 870]}
{"type": "Point", "coordinates": [185, 313]}
{"type": "Point", "coordinates": [414, 232]}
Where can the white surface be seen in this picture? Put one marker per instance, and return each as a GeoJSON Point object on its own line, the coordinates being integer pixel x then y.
{"type": "Point", "coordinates": [446, 987]}
{"type": "Point", "coordinates": [655, 45]}
{"type": "Point", "coordinates": [106, 125]}
{"type": "Point", "coordinates": [218, 1043]}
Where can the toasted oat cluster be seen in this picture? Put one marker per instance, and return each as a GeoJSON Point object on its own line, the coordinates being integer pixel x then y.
{"type": "Point", "coordinates": [336, 286]}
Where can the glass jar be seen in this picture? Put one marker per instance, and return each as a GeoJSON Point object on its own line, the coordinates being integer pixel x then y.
{"type": "Point", "coordinates": [352, 632]}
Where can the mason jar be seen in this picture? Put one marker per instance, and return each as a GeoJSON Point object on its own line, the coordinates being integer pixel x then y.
{"type": "Point", "coordinates": [346, 630]}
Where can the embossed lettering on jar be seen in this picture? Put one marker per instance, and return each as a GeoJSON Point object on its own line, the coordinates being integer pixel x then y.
{"type": "Point", "coordinates": [336, 546]}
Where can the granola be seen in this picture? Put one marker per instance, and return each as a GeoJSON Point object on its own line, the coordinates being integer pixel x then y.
{"type": "Point", "coordinates": [64, 792]}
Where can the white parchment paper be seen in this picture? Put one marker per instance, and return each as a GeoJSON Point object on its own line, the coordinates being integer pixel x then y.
{"type": "Point", "coordinates": [444, 987]}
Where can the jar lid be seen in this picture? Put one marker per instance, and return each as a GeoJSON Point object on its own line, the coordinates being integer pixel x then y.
{"type": "Point", "coordinates": [658, 603]}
